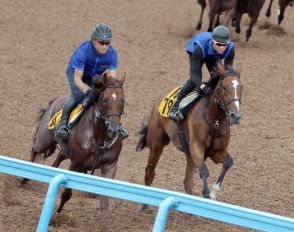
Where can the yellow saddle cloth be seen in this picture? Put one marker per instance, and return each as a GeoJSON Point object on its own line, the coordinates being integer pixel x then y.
{"type": "Point", "coordinates": [169, 100]}
{"type": "Point", "coordinates": [74, 115]}
{"type": "Point", "coordinates": [185, 105]}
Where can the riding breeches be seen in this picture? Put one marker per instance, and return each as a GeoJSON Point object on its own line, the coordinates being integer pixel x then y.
{"type": "Point", "coordinates": [75, 91]}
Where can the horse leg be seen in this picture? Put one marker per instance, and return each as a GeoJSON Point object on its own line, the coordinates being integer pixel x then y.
{"type": "Point", "coordinates": [211, 20]}
{"type": "Point", "coordinates": [229, 16]}
{"type": "Point", "coordinates": [227, 164]}
{"type": "Point", "coordinates": [216, 23]}
{"type": "Point", "coordinates": [60, 157]}
{"type": "Point", "coordinates": [153, 158]}
{"type": "Point", "coordinates": [238, 18]}
{"type": "Point", "coordinates": [204, 174]}
{"type": "Point", "coordinates": [281, 14]}
{"type": "Point", "coordinates": [66, 194]}
{"type": "Point", "coordinates": [251, 24]}
{"type": "Point", "coordinates": [203, 5]}
{"type": "Point", "coordinates": [268, 11]}
{"type": "Point", "coordinates": [189, 177]}
{"type": "Point", "coordinates": [107, 171]}
{"type": "Point", "coordinates": [233, 22]}
{"type": "Point", "coordinates": [32, 159]}
{"type": "Point", "coordinates": [197, 154]}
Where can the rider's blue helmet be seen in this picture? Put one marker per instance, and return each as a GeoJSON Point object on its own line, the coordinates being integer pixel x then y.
{"type": "Point", "coordinates": [221, 34]}
{"type": "Point", "coordinates": [101, 31]}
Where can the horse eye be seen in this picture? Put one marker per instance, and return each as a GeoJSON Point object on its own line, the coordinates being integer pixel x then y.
{"type": "Point", "coordinates": [224, 89]}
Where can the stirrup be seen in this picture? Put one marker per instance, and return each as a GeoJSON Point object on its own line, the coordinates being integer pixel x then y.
{"type": "Point", "coordinates": [61, 132]}
{"type": "Point", "coordinates": [177, 116]}
{"type": "Point", "coordinates": [63, 144]}
{"type": "Point", "coordinates": [172, 114]}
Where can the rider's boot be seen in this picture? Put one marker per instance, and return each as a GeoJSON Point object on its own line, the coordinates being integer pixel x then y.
{"type": "Point", "coordinates": [173, 113]}
{"type": "Point", "coordinates": [61, 131]}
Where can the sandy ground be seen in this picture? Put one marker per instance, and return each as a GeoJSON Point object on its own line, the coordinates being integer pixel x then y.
{"type": "Point", "coordinates": [37, 39]}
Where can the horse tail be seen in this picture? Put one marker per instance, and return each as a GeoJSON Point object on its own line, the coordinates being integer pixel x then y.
{"type": "Point", "coordinates": [52, 147]}
{"type": "Point", "coordinates": [50, 150]}
{"type": "Point", "coordinates": [142, 143]}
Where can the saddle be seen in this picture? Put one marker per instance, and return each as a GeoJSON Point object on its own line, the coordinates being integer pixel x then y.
{"type": "Point", "coordinates": [185, 105]}
{"type": "Point", "coordinates": [74, 117]}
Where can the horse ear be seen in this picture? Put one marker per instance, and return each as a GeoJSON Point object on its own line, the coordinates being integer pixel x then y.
{"type": "Point", "coordinates": [105, 76]}
{"type": "Point", "coordinates": [221, 68]}
{"type": "Point", "coordinates": [123, 78]}
{"type": "Point", "coordinates": [238, 69]}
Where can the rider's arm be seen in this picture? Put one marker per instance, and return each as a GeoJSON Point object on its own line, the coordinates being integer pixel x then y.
{"type": "Point", "coordinates": [230, 58]}
{"type": "Point", "coordinates": [78, 75]}
{"type": "Point", "coordinates": [195, 65]}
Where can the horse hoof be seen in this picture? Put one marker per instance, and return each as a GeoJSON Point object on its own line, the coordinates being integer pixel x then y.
{"type": "Point", "coordinates": [23, 181]}
{"type": "Point", "coordinates": [144, 207]}
{"type": "Point", "coordinates": [198, 27]}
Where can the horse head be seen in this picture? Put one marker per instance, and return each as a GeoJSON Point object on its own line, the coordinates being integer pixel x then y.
{"type": "Point", "coordinates": [110, 104]}
{"type": "Point", "coordinates": [229, 93]}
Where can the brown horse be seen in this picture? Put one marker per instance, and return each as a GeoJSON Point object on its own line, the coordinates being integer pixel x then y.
{"type": "Point", "coordinates": [206, 128]}
{"type": "Point", "coordinates": [252, 8]}
{"type": "Point", "coordinates": [94, 141]}
{"type": "Point", "coordinates": [216, 8]}
{"type": "Point", "coordinates": [283, 4]}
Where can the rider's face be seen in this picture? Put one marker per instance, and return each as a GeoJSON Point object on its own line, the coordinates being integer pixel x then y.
{"type": "Point", "coordinates": [101, 46]}
{"type": "Point", "coordinates": [219, 47]}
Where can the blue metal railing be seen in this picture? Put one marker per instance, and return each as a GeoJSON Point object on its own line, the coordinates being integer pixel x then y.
{"type": "Point", "coordinates": [165, 199]}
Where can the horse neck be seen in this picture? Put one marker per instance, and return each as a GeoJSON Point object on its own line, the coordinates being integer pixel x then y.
{"type": "Point", "coordinates": [98, 123]}
{"type": "Point", "coordinates": [92, 122]}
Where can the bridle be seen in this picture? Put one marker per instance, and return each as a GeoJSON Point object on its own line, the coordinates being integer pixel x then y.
{"type": "Point", "coordinates": [221, 103]}
{"type": "Point", "coordinates": [99, 113]}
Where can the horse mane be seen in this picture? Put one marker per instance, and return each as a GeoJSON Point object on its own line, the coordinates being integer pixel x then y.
{"type": "Point", "coordinates": [97, 82]}
{"type": "Point", "coordinates": [100, 81]}
{"type": "Point", "coordinates": [231, 72]}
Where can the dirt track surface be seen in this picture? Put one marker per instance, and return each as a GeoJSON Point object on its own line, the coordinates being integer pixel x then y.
{"type": "Point", "coordinates": [37, 39]}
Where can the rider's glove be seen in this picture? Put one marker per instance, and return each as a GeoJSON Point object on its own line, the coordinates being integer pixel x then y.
{"type": "Point", "coordinates": [207, 90]}
{"type": "Point", "coordinates": [92, 94]}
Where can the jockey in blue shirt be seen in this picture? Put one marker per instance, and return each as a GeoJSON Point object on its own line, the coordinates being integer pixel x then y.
{"type": "Point", "coordinates": [208, 48]}
{"type": "Point", "coordinates": [92, 57]}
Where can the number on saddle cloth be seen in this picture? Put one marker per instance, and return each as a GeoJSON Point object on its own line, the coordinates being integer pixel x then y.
{"type": "Point", "coordinates": [169, 100]}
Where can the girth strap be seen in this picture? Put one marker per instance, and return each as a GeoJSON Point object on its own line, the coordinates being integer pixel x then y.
{"type": "Point", "coordinates": [183, 139]}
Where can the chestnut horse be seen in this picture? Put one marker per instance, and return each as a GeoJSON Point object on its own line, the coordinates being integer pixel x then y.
{"type": "Point", "coordinates": [93, 142]}
{"type": "Point", "coordinates": [206, 128]}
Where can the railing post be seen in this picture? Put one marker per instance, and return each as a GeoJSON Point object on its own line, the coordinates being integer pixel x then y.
{"type": "Point", "coordinates": [163, 212]}
{"type": "Point", "coordinates": [52, 192]}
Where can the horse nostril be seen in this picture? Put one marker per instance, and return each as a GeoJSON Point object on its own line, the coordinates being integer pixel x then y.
{"type": "Point", "coordinates": [235, 117]}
